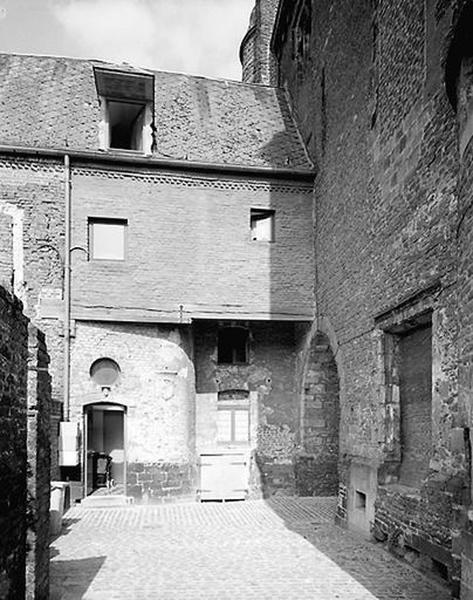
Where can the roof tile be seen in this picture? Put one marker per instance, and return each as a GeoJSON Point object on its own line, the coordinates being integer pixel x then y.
{"type": "Point", "coordinates": [52, 102]}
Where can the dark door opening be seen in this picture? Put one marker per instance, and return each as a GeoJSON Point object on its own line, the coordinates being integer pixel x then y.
{"type": "Point", "coordinates": [105, 455]}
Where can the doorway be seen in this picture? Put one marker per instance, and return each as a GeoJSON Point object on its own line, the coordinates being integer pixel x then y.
{"type": "Point", "coordinates": [105, 448]}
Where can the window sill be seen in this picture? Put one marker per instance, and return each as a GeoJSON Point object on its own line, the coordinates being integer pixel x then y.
{"type": "Point", "coordinates": [127, 152]}
{"type": "Point", "coordinates": [235, 364]}
{"type": "Point", "coordinates": [115, 261]}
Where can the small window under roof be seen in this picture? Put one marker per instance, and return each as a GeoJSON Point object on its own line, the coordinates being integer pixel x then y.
{"type": "Point", "coordinates": [126, 124]}
{"type": "Point", "coordinates": [127, 110]}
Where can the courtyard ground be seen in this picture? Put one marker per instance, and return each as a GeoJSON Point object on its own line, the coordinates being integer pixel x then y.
{"type": "Point", "coordinates": [281, 549]}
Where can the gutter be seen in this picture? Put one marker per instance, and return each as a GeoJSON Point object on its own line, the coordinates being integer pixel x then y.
{"type": "Point", "coordinates": [138, 159]}
{"type": "Point", "coordinates": [67, 286]}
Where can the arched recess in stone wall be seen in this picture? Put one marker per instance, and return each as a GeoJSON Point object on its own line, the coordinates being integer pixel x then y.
{"type": "Point", "coordinates": [459, 74]}
{"type": "Point", "coordinates": [317, 465]}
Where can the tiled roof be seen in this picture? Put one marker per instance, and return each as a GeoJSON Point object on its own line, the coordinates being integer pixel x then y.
{"type": "Point", "coordinates": [52, 102]}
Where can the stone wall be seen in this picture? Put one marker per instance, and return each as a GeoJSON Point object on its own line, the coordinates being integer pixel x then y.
{"type": "Point", "coordinates": [317, 465]}
{"type": "Point", "coordinates": [460, 85]}
{"type": "Point", "coordinates": [156, 386]}
{"type": "Point", "coordinates": [25, 398]}
{"type": "Point", "coordinates": [270, 372]}
{"type": "Point", "coordinates": [372, 108]}
{"type": "Point", "coordinates": [13, 449]}
{"type": "Point", "coordinates": [39, 458]}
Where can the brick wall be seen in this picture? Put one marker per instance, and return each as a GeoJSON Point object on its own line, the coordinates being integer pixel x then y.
{"type": "Point", "coordinates": [32, 200]}
{"type": "Point", "coordinates": [13, 450]}
{"type": "Point", "coordinates": [372, 109]}
{"type": "Point", "coordinates": [460, 81]}
{"type": "Point", "coordinates": [270, 373]}
{"type": "Point", "coordinates": [24, 456]}
{"type": "Point", "coordinates": [258, 63]}
{"type": "Point", "coordinates": [189, 246]}
{"type": "Point", "coordinates": [38, 446]}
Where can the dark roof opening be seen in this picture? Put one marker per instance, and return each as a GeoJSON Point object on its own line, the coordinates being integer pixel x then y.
{"type": "Point", "coordinates": [126, 124]}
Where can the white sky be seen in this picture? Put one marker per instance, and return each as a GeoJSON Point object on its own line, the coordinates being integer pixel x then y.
{"type": "Point", "coordinates": [201, 37]}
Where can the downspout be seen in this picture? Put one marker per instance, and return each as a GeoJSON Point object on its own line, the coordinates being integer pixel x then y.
{"type": "Point", "coordinates": [67, 284]}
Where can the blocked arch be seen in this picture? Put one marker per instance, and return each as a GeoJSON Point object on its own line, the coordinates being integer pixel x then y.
{"type": "Point", "coordinates": [317, 466]}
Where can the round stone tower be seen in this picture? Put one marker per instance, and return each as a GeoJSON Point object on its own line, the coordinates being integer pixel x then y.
{"type": "Point", "coordinates": [258, 63]}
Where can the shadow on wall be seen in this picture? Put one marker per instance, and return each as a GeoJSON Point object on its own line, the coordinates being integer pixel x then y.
{"type": "Point", "coordinates": [376, 570]}
{"type": "Point", "coordinates": [281, 240]}
{"type": "Point", "coordinates": [72, 578]}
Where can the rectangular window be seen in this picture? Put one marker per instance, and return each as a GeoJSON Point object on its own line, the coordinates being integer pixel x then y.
{"type": "Point", "coordinates": [125, 121]}
{"type": "Point", "coordinates": [107, 239]}
{"type": "Point", "coordinates": [232, 346]}
{"type": "Point", "coordinates": [233, 425]}
{"type": "Point", "coordinates": [127, 105]}
{"type": "Point", "coordinates": [262, 225]}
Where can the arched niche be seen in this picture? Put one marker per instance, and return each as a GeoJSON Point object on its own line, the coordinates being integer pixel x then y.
{"type": "Point", "coordinates": [459, 75]}
{"type": "Point", "coordinates": [317, 466]}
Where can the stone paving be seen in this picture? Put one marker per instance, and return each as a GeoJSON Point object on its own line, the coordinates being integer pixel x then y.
{"type": "Point", "coordinates": [281, 549]}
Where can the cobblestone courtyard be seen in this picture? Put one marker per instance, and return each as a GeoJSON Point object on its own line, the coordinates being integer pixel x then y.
{"type": "Point", "coordinates": [283, 549]}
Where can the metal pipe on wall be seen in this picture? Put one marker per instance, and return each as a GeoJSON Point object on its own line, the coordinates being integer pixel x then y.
{"type": "Point", "coordinates": [67, 285]}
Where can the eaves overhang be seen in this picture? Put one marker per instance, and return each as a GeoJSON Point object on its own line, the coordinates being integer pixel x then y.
{"type": "Point", "coordinates": [138, 159]}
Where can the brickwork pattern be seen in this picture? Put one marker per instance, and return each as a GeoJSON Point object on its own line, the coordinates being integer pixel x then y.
{"type": "Point", "coordinates": [197, 119]}
{"type": "Point", "coordinates": [25, 397]}
{"type": "Point", "coordinates": [462, 542]}
{"type": "Point", "coordinates": [270, 372]}
{"type": "Point", "coordinates": [38, 447]}
{"type": "Point", "coordinates": [284, 548]}
{"type": "Point", "coordinates": [13, 450]}
{"type": "Point", "coordinates": [371, 106]}
{"type": "Point", "coordinates": [317, 471]}
{"type": "Point", "coordinates": [258, 63]}
{"type": "Point", "coordinates": [190, 251]}
{"type": "Point", "coordinates": [161, 481]}
{"type": "Point", "coordinates": [32, 198]}
{"type": "Point", "coordinates": [156, 386]}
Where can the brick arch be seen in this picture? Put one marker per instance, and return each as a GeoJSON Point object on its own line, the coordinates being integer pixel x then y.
{"type": "Point", "coordinates": [317, 465]}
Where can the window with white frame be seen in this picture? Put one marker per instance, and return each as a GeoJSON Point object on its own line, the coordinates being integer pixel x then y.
{"type": "Point", "coordinates": [107, 238]}
{"type": "Point", "coordinates": [233, 424]}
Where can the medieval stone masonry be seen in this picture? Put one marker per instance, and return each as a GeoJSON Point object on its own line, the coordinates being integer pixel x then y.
{"type": "Point", "coordinates": [254, 288]}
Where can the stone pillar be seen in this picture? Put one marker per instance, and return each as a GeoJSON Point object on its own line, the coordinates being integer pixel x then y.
{"type": "Point", "coordinates": [13, 353]}
{"type": "Point", "coordinates": [38, 452]}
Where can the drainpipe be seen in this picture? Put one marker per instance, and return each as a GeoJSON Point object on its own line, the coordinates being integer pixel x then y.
{"type": "Point", "coordinates": [67, 284]}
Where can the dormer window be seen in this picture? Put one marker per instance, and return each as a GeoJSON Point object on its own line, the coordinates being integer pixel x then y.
{"type": "Point", "coordinates": [126, 101]}
{"type": "Point", "coordinates": [125, 122]}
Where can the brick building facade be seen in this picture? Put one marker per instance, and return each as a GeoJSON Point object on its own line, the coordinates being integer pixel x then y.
{"type": "Point", "coordinates": [381, 94]}
{"type": "Point", "coordinates": [238, 327]}
{"type": "Point", "coordinates": [167, 218]}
